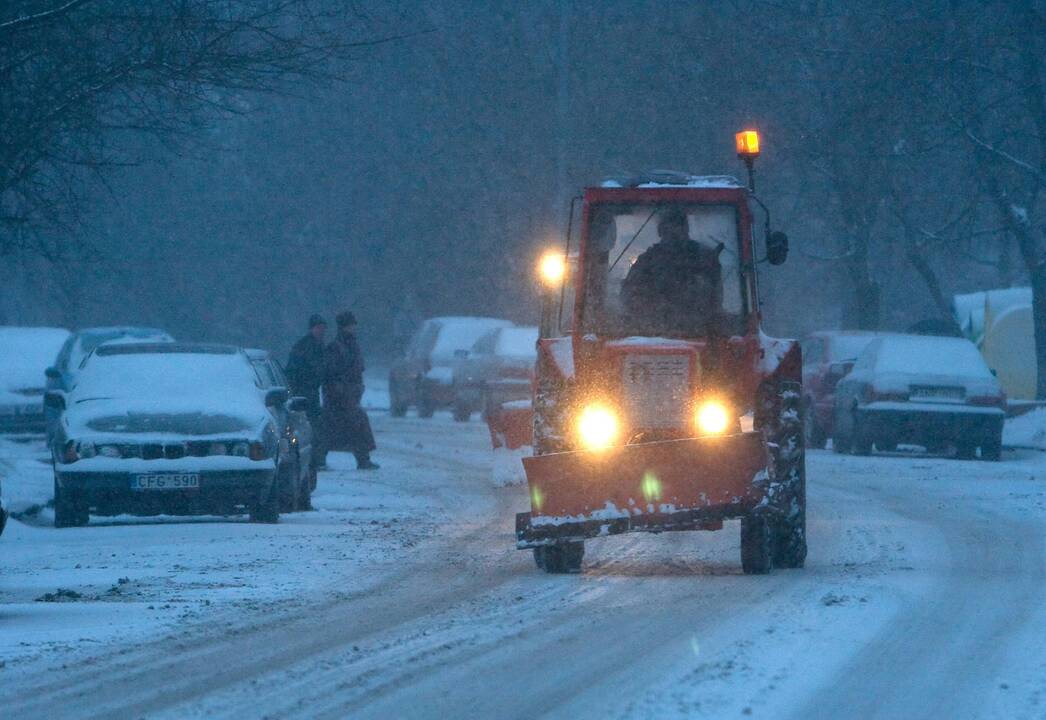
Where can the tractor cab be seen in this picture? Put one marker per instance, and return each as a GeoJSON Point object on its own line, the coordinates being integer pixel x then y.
{"type": "Point", "coordinates": [659, 404]}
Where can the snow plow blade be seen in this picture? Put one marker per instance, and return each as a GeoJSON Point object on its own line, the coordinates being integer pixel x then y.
{"type": "Point", "coordinates": [690, 484]}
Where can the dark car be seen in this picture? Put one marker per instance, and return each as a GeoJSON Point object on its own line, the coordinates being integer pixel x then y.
{"type": "Point", "coordinates": [3, 510]}
{"type": "Point", "coordinates": [936, 392]}
{"type": "Point", "coordinates": [827, 358]}
{"type": "Point", "coordinates": [499, 368]}
{"type": "Point", "coordinates": [62, 374]}
{"type": "Point", "coordinates": [424, 377]}
{"type": "Point", "coordinates": [25, 352]}
{"type": "Point", "coordinates": [298, 479]}
{"type": "Point", "coordinates": [166, 428]}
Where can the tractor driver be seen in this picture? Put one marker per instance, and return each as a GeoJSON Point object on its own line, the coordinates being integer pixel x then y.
{"type": "Point", "coordinates": [675, 287]}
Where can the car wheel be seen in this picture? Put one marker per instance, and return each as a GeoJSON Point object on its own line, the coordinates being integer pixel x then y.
{"type": "Point", "coordinates": [860, 443]}
{"type": "Point", "coordinates": [462, 412]}
{"type": "Point", "coordinates": [397, 406]}
{"type": "Point", "coordinates": [815, 437]}
{"type": "Point", "coordinates": [289, 485]}
{"type": "Point", "coordinates": [426, 408]}
{"type": "Point", "coordinates": [266, 509]}
{"type": "Point", "coordinates": [966, 451]}
{"type": "Point", "coordinates": [756, 557]}
{"type": "Point", "coordinates": [69, 511]}
{"type": "Point", "coordinates": [992, 451]}
{"type": "Point", "coordinates": [561, 558]}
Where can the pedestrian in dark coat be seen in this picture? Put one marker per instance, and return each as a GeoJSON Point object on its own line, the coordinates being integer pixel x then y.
{"type": "Point", "coordinates": [346, 422]}
{"type": "Point", "coordinates": [307, 365]}
{"type": "Point", "coordinates": [306, 368]}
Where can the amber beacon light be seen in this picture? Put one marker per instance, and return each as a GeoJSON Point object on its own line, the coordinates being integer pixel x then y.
{"type": "Point", "coordinates": [747, 143]}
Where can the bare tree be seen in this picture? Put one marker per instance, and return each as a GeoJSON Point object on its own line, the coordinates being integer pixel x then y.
{"type": "Point", "coordinates": [91, 85]}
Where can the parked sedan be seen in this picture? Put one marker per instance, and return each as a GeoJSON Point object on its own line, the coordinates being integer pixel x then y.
{"type": "Point", "coordinates": [299, 476]}
{"type": "Point", "coordinates": [24, 354]}
{"type": "Point", "coordinates": [499, 368]}
{"type": "Point", "coordinates": [827, 357]}
{"type": "Point", "coordinates": [424, 377]}
{"type": "Point", "coordinates": [168, 428]}
{"type": "Point", "coordinates": [61, 375]}
{"type": "Point", "coordinates": [930, 391]}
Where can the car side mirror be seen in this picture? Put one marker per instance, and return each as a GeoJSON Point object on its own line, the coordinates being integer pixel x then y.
{"type": "Point", "coordinates": [277, 397]}
{"type": "Point", "coordinates": [776, 248]}
{"type": "Point", "coordinates": [298, 404]}
{"type": "Point", "coordinates": [54, 400]}
{"type": "Point", "coordinates": [837, 371]}
{"type": "Point", "coordinates": [461, 354]}
{"type": "Point", "coordinates": [52, 373]}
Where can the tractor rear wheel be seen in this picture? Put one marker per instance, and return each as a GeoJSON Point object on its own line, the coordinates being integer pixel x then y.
{"type": "Point", "coordinates": [782, 422]}
{"type": "Point", "coordinates": [561, 558]}
{"type": "Point", "coordinates": [756, 541]}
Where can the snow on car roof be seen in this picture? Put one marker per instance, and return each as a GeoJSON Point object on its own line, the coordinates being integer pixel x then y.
{"type": "Point", "coordinates": [670, 178]}
{"type": "Point", "coordinates": [461, 333]}
{"type": "Point", "coordinates": [517, 342]}
{"type": "Point", "coordinates": [25, 352]}
{"type": "Point", "coordinates": [920, 355]}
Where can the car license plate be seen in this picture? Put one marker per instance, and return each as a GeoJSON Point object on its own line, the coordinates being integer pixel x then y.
{"type": "Point", "coordinates": [941, 394]}
{"type": "Point", "coordinates": [166, 481]}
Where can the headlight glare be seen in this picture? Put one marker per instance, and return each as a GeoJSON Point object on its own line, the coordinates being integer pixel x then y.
{"type": "Point", "coordinates": [712, 417]}
{"type": "Point", "coordinates": [597, 427]}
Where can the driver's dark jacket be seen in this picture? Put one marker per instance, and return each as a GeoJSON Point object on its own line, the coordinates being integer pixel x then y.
{"type": "Point", "coordinates": [675, 287]}
{"type": "Point", "coordinates": [306, 367]}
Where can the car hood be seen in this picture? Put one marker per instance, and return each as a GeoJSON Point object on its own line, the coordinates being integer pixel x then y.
{"type": "Point", "coordinates": [165, 417]}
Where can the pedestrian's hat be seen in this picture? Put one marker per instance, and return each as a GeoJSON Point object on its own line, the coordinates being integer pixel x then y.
{"type": "Point", "coordinates": [345, 319]}
{"type": "Point", "coordinates": [316, 320]}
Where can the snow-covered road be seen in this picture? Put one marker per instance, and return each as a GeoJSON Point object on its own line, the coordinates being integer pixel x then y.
{"type": "Point", "coordinates": [403, 597]}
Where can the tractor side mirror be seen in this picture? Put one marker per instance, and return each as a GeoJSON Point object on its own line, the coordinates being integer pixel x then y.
{"type": "Point", "coordinates": [276, 397]}
{"type": "Point", "coordinates": [54, 400]}
{"type": "Point", "coordinates": [776, 247]}
{"type": "Point", "coordinates": [52, 373]}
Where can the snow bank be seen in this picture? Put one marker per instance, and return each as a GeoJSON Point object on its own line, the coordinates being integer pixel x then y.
{"type": "Point", "coordinates": [507, 466]}
{"type": "Point", "coordinates": [1028, 430]}
{"type": "Point", "coordinates": [25, 352]}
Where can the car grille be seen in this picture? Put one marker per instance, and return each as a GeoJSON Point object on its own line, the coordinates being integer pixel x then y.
{"type": "Point", "coordinates": [656, 391]}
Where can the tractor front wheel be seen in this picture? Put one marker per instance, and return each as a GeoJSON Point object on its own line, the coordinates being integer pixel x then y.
{"type": "Point", "coordinates": [782, 419]}
{"type": "Point", "coordinates": [561, 558]}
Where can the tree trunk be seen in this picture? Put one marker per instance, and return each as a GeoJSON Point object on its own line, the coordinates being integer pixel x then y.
{"type": "Point", "coordinates": [1038, 308]}
{"type": "Point", "coordinates": [866, 309]}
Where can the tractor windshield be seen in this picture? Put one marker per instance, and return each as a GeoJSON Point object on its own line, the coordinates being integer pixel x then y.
{"type": "Point", "coordinates": [662, 270]}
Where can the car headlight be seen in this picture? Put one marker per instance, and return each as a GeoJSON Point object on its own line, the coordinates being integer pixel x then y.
{"type": "Point", "coordinates": [241, 449]}
{"type": "Point", "coordinates": [712, 417]}
{"type": "Point", "coordinates": [597, 427]}
{"type": "Point", "coordinates": [219, 449]}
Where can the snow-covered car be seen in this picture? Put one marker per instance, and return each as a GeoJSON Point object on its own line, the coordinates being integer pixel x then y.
{"type": "Point", "coordinates": [298, 476]}
{"type": "Point", "coordinates": [936, 392]}
{"type": "Point", "coordinates": [424, 377]}
{"type": "Point", "coordinates": [827, 357]}
{"type": "Point", "coordinates": [25, 352]}
{"type": "Point", "coordinates": [166, 428]}
{"type": "Point", "coordinates": [499, 368]}
{"type": "Point", "coordinates": [61, 374]}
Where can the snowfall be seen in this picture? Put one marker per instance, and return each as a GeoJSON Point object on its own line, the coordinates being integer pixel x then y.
{"type": "Point", "coordinates": [403, 596]}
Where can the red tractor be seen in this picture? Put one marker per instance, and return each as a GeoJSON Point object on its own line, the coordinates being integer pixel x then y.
{"type": "Point", "coordinates": [661, 405]}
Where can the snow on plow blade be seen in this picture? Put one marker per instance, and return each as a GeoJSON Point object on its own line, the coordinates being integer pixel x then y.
{"type": "Point", "coordinates": [687, 484]}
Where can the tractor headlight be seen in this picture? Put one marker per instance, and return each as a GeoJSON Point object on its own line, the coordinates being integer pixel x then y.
{"type": "Point", "coordinates": [597, 427]}
{"type": "Point", "coordinates": [712, 417]}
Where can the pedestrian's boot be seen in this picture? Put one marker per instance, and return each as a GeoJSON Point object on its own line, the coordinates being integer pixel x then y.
{"type": "Point", "coordinates": [363, 462]}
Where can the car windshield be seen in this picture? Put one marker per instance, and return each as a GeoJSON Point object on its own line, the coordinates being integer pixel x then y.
{"type": "Point", "coordinates": [669, 270]}
{"type": "Point", "coordinates": [160, 375]}
{"type": "Point", "coordinates": [848, 347]}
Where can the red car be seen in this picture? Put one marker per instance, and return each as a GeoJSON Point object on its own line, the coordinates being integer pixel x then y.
{"type": "Point", "coordinates": [827, 358]}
